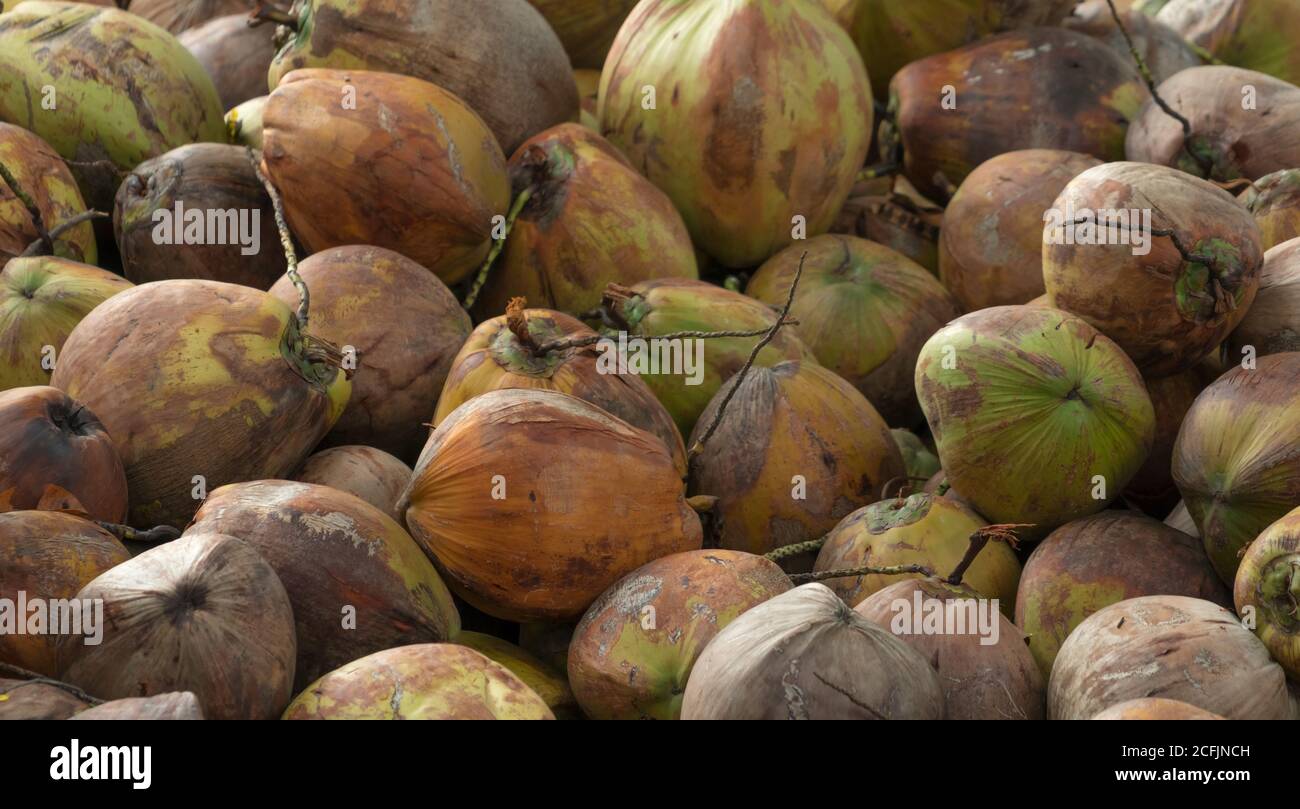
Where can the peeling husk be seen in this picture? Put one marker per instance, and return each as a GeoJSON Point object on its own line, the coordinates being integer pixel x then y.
{"type": "Point", "coordinates": [1153, 489]}
{"type": "Point", "coordinates": [1266, 587]}
{"type": "Point", "coordinates": [592, 220]}
{"type": "Point", "coordinates": [980, 680]}
{"type": "Point", "coordinates": [35, 700]}
{"type": "Point", "coordinates": [762, 113]}
{"type": "Point", "coordinates": [1272, 325]}
{"type": "Point", "coordinates": [1233, 140]}
{"type": "Point", "coordinates": [203, 613]}
{"type": "Point", "coordinates": [244, 123]}
{"type": "Point", "coordinates": [586, 27]}
{"type": "Point", "coordinates": [46, 178]}
{"type": "Point", "coordinates": [1237, 457]}
{"type": "Point", "coordinates": [1043, 88]}
{"type": "Point", "coordinates": [1162, 48]}
{"type": "Point", "coordinates": [805, 655]}
{"type": "Point", "coordinates": [426, 681]}
{"type": "Point", "coordinates": [493, 358]}
{"type": "Point", "coordinates": [895, 221]}
{"type": "Point", "coordinates": [1255, 34]}
{"type": "Point", "coordinates": [500, 56]}
{"type": "Point", "coordinates": [864, 311]}
{"type": "Point", "coordinates": [49, 555]}
{"type": "Point", "coordinates": [411, 168]}
{"type": "Point", "coordinates": [174, 706]}
{"type": "Point", "coordinates": [1093, 562]}
{"type": "Point", "coordinates": [1274, 201]}
{"type": "Point", "coordinates": [587, 498]}
{"type": "Point", "coordinates": [368, 473]}
{"type": "Point", "coordinates": [235, 55]}
{"type": "Point", "coordinates": [633, 651]}
{"type": "Point", "coordinates": [405, 327]}
{"type": "Point", "coordinates": [1043, 398]}
{"type": "Point", "coordinates": [218, 385]}
{"type": "Point", "coordinates": [182, 15]}
{"type": "Point", "coordinates": [991, 241]}
{"type": "Point", "coordinates": [1155, 709]}
{"type": "Point", "coordinates": [1167, 312]}
{"type": "Point", "coordinates": [793, 419]}
{"type": "Point", "coordinates": [1181, 648]}
{"type": "Point", "coordinates": [550, 684]}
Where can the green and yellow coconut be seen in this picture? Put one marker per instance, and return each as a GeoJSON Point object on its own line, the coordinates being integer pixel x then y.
{"type": "Point", "coordinates": [46, 179]}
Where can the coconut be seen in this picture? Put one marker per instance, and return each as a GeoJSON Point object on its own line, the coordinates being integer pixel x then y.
{"type": "Point", "coordinates": [1243, 124]}
{"type": "Point", "coordinates": [588, 96]}
{"type": "Point", "coordinates": [1259, 34]}
{"type": "Point", "coordinates": [920, 529]}
{"type": "Point", "coordinates": [33, 699]}
{"type": "Point", "coordinates": [761, 121]}
{"type": "Point", "coordinates": [47, 180]}
{"type": "Point", "coordinates": [1274, 201]}
{"type": "Point", "coordinates": [1272, 325]}
{"type": "Point", "coordinates": [136, 94]}
{"type": "Point", "coordinates": [991, 242]}
{"type": "Point", "coordinates": [205, 384]}
{"type": "Point", "coordinates": [244, 123]}
{"type": "Point", "coordinates": [1178, 647]}
{"type": "Point", "coordinates": [919, 460]}
{"type": "Point", "coordinates": [533, 503]}
{"type": "Point", "coordinates": [986, 671]}
{"type": "Point", "coordinates": [895, 221]}
{"type": "Point", "coordinates": [1044, 88]}
{"type": "Point", "coordinates": [42, 299]}
{"type": "Point", "coordinates": [1163, 50]}
{"type": "Point", "coordinates": [666, 306]}
{"type": "Point", "coordinates": [585, 27]}
{"type": "Point", "coordinates": [1152, 489]}
{"type": "Point", "coordinates": [404, 327]}
{"type": "Point", "coordinates": [50, 443]}
{"type": "Point", "coordinates": [338, 558]}
{"type": "Point", "coordinates": [549, 683]}
{"type": "Point", "coordinates": [175, 705]}
{"type": "Point", "coordinates": [799, 448]}
{"type": "Point", "coordinates": [234, 54]}
{"type": "Point", "coordinates": [48, 556]}
{"type": "Point", "coordinates": [1182, 520]}
{"type": "Point", "coordinates": [1043, 398]}
{"type": "Point", "coordinates": [1096, 561]}
{"type": "Point", "coordinates": [425, 681]}
{"type": "Point", "coordinates": [940, 486]}
{"type": "Point", "coordinates": [203, 613]}
{"type": "Point", "coordinates": [1155, 708]}
{"type": "Point", "coordinates": [864, 311]}
{"type": "Point", "coordinates": [407, 166]}
{"type": "Point", "coordinates": [547, 642]}
{"type": "Point", "coordinates": [633, 650]}
{"type": "Point", "coordinates": [591, 220]}
{"type": "Point", "coordinates": [504, 353]}
{"type": "Point", "coordinates": [500, 56]}
{"type": "Point", "coordinates": [805, 655]}
{"type": "Point", "coordinates": [182, 15]}
{"type": "Point", "coordinates": [1235, 460]}
{"type": "Point", "coordinates": [368, 473]}
{"type": "Point", "coordinates": [198, 211]}
{"type": "Point", "coordinates": [1167, 300]}
{"type": "Point", "coordinates": [1266, 588]}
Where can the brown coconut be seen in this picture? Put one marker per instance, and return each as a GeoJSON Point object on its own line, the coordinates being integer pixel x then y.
{"type": "Point", "coordinates": [368, 473]}
{"type": "Point", "coordinates": [805, 655]}
{"type": "Point", "coordinates": [175, 705]}
{"type": "Point", "coordinates": [203, 613]}
{"type": "Point", "coordinates": [46, 179]}
{"type": "Point", "coordinates": [1163, 50]}
{"type": "Point", "coordinates": [1274, 201]}
{"type": "Point", "coordinates": [1155, 708]}
{"type": "Point", "coordinates": [1272, 325]}
{"type": "Point", "coordinates": [235, 55]}
{"type": "Point", "coordinates": [339, 558]}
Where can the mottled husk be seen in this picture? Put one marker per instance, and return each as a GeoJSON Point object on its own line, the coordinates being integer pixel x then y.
{"type": "Point", "coordinates": [1162, 48]}
{"type": "Point", "coordinates": [368, 473]}
{"type": "Point", "coordinates": [549, 683]}
{"type": "Point", "coordinates": [175, 705]}
{"type": "Point", "coordinates": [47, 180]}
{"type": "Point", "coordinates": [1272, 324]}
{"type": "Point", "coordinates": [1265, 588]}
{"type": "Point", "coordinates": [234, 55]}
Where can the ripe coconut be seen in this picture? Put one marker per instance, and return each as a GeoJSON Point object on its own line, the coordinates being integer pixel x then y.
{"type": "Point", "coordinates": [864, 311]}
{"type": "Point", "coordinates": [200, 384]}
{"type": "Point", "coordinates": [404, 327]}
{"type": "Point", "coordinates": [235, 55]}
{"type": "Point", "coordinates": [48, 442]}
{"type": "Point", "coordinates": [669, 305]}
{"type": "Point", "coordinates": [33, 699]}
{"type": "Point", "coordinates": [1155, 708]}
{"type": "Point", "coordinates": [42, 299]}
{"type": "Point", "coordinates": [244, 123]}
{"type": "Point", "coordinates": [500, 56]}
{"type": "Point", "coordinates": [182, 15]}
{"type": "Point", "coordinates": [198, 211]}
{"type": "Point", "coordinates": [1274, 201]}
{"type": "Point", "coordinates": [547, 682]}
{"type": "Point", "coordinates": [980, 656]}
{"type": "Point", "coordinates": [1178, 647]}
{"type": "Point", "coordinates": [504, 353]}
{"type": "Point", "coordinates": [1096, 561]}
{"type": "Point", "coordinates": [919, 460]}
{"type": "Point", "coordinates": [895, 221]}
{"type": "Point", "coordinates": [533, 503]}
{"type": "Point", "coordinates": [591, 220]}
{"type": "Point", "coordinates": [336, 556]}
{"type": "Point", "coordinates": [991, 242]}
{"type": "Point", "coordinates": [1243, 123]}
{"type": "Point", "coordinates": [1266, 587]}
{"type": "Point", "coordinates": [136, 93]}
{"type": "Point", "coordinates": [633, 650]}
{"type": "Point", "coordinates": [1163, 50]}
{"type": "Point", "coordinates": [585, 27]}
{"type": "Point", "coordinates": [1043, 88]}
{"type": "Point", "coordinates": [797, 449]}
{"type": "Point", "coordinates": [1153, 489]}
{"type": "Point", "coordinates": [175, 705]}
{"type": "Point", "coordinates": [1257, 34]}
{"type": "Point", "coordinates": [762, 116]}
{"type": "Point", "coordinates": [408, 166]}
{"type": "Point", "coordinates": [1272, 325]}
{"type": "Point", "coordinates": [1235, 460]}
{"type": "Point", "coordinates": [425, 681]}
{"type": "Point", "coordinates": [203, 613]}
{"type": "Point", "coordinates": [368, 473]}
{"type": "Point", "coordinates": [920, 529]}
{"type": "Point", "coordinates": [805, 655]}
{"type": "Point", "coordinates": [48, 556]}
{"type": "Point", "coordinates": [1043, 398]}
{"type": "Point", "coordinates": [46, 179]}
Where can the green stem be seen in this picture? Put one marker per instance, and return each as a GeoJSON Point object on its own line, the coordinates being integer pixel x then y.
{"type": "Point", "coordinates": [498, 245]}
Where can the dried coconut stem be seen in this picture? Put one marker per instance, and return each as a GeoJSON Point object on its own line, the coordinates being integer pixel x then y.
{"type": "Point", "coordinates": [796, 549]}
{"type": "Point", "coordinates": [33, 210]}
{"type": "Point", "coordinates": [263, 14]}
{"type": "Point", "coordinates": [158, 534]}
{"type": "Point", "coordinates": [286, 240]}
{"type": "Point", "coordinates": [36, 248]}
{"type": "Point", "coordinates": [34, 678]}
{"type": "Point", "coordinates": [591, 339]}
{"type": "Point", "coordinates": [516, 208]}
{"type": "Point", "coordinates": [517, 322]}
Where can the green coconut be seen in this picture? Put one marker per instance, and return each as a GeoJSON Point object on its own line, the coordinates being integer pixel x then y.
{"type": "Point", "coordinates": [918, 459]}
